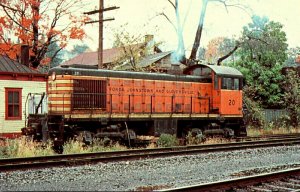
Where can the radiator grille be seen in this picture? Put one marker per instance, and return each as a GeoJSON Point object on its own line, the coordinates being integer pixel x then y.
{"type": "Point", "coordinates": [89, 94]}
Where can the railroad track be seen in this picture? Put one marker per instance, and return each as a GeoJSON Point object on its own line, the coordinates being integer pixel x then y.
{"type": "Point", "coordinates": [284, 180]}
{"type": "Point", "coordinates": [282, 136]}
{"type": "Point", "coordinates": [90, 158]}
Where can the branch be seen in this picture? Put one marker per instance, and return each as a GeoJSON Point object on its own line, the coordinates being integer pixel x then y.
{"type": "Point", "coordinates": [43, 11]}
{"type": "Point", "coordinates": [228, 54]}
{"type": "Point", "coordinates": [56, 52]}
{"type": "Point", "coordinates": [163, 14]}
{"type": "Point", "coordinates": [11, 18]}
{"type": "Point", "coordinates": [10, 8]}
{"type": "Point", "coordinates": [257, 39]}
{"type": "Point", "coordinates": [236, 5]}
{"type": "Point", "coordinates": [185, 17]}
{"type": "Point", "coordinates": [172, 4]}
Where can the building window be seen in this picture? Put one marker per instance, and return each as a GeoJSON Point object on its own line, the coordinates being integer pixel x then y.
{"type": "Point", "coordinates": [13, 103]}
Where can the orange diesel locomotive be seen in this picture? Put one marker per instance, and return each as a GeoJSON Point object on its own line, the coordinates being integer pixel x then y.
{"type": "Point", "coordinates": [124, 105]}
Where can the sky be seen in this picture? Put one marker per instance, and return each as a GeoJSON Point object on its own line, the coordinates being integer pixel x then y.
{"type": "Point", "coordinates": [141, 18]}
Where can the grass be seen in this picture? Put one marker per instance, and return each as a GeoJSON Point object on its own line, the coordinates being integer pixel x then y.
{"type": "Point", "coordinates": [271, 129]}
{"type": "Point", "coordinates": [22, 147]}
{"type": "Point", "coordinates": [217, 140]}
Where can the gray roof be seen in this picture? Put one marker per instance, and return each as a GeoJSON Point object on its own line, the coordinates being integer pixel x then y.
{"type": "Point", "coordinates": [8, 65]}
{"type": "Point", "coordinates": [219, 70]}
{"type": "Point", "coordinates": [225, 70]}
{"type": "Point", "coordinates": [148, 60]}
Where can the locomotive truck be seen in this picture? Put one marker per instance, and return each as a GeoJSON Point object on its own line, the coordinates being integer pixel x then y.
{"type": "Point", "coordinates": [123, 105]}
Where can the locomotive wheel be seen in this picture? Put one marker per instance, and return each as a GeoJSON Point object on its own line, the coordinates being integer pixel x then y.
{"type": "Point", "coordinates": [85, 137]}
{"type": "Point", "coordinates": [228, 133]}
{"type": "Point", "coordinates": [58, 149]}
{"type": "Point", "coordinates": [194, 136]}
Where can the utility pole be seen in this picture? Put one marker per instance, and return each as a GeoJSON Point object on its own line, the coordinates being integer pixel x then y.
{"type": "Point", "coordinates": [100, 21]}
{"type": "Point", "coordinates": [100, 47]}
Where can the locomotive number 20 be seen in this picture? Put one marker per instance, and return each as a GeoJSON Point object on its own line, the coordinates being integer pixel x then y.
{"type": "Point", "coordinates": [231, 102]}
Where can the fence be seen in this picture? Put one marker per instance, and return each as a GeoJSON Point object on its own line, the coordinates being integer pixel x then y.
{"type": "Point", "coordinates": [272, 115]}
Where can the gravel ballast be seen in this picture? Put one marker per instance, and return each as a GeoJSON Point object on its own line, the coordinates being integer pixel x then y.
{"type": "Point", "coordinates": [161, 172]}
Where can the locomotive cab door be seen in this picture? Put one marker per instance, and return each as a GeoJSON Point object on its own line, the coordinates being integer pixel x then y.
{"type": "Point", "coordinates": [231, 96]}
{"type": "Point", "coordinates": [216, 94]}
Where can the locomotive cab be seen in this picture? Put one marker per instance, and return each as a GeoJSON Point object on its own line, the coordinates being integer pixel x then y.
{"type": "Point", "coordinates": [225, 98]}
{"type": "Point", "coordinates": [227, 92]}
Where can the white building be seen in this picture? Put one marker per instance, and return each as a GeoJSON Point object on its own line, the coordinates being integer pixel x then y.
{"type": "Point", "coordinates": [16, 83]}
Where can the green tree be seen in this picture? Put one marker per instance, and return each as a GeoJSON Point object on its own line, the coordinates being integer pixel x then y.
{"type": "Point", "coordinates": [261, 55]}
{"type": "Point", "coordinates": [226, 46]}
{"type": "Point", "coordinates": [78, 49]}
{"type": "Point", "coordinates": [201, 53]}
{"type": "Point", "coordinates": [292, 53]}
{"type": "Point", "coordinates": [292, 96]}
{"type": "Point", "coordinates": [55, 54]}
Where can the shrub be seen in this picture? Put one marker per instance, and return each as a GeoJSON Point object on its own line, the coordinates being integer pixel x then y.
{"type": "Point", "coordinates": [253, 114]}
{"type": "Point", "coordinates": [167, 140]}
{"type": "Point", "coordinates": [292, 96]}
{"type": "Point", "coordinates": [192, 139]}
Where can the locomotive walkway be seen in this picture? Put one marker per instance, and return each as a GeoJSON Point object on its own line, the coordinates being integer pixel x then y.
{"type": "Point", "coordinates": [128, 155]}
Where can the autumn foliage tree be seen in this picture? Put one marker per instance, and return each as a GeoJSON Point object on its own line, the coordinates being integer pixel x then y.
{"type": "Point", "coordinates": [213, 52]}
{"type": "Point", "coordinates": [39, 23]}
{"type": "Point", "coordinates": [219, 47]}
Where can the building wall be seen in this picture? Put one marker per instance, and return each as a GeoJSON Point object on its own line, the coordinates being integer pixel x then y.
{"type": "Point", "coordinates": [10, 127]}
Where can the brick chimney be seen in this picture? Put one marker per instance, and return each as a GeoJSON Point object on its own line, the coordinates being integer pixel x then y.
{"type": "Point", "coordinates": [149, 41]}
{"type": "Point", "coordinates": [25, 55]}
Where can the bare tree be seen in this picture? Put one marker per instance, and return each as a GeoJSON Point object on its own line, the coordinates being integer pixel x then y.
{"type": "Point", "coordinates": [226, 3]}
{"type": "Point", "coordinates": [199, 31]}
{"type": "Point", "coordinates": [178, 27]}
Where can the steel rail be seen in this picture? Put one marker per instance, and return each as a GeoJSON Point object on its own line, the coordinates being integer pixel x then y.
{"type": "Point", "coordinates": [270, 136]}
{"type": "Point", "coordinates": [89, 158]}
{"type": "Point", "coordinates": [242, 182]}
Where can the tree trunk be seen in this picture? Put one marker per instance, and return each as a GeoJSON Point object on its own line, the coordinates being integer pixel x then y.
{"type": "Point", "coordinates": [228, 54]}
{"type": "Point", "coordinates": [199, 31]}
{"type": "Point", "coordinates": [35, 19]}
{"type": "Point", "coordinates": [180, 53]}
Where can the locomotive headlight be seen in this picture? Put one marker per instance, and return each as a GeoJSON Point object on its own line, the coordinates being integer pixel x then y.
{"type": "Point", "coordinates": [53, 76]}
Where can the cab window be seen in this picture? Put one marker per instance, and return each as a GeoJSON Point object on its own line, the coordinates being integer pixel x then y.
{"type": "Point", "coordinates": [231, 83]}
{"type": "Point", "coordinates": [227, 83]}
{"type": "Point", "coordinates": [236, 84]}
